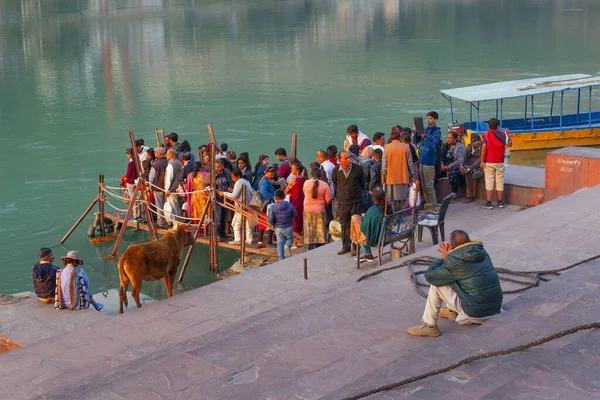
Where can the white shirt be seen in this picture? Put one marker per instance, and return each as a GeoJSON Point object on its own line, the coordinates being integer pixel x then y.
{"type": "Point", "coordinates": [237, 190]}
{"type": "Point", "coordinates": [328, 168]}
{"type": "Point", "coordinates": [168, 176]}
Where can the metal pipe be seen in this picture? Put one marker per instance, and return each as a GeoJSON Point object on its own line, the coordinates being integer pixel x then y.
{"type": "Point", "coordinates": [532, 114]}
{"type": "Point", "coordinates": [451, 111]}
{"type": "Point", "coordinates": [305, 269]}
{"type": "Point", "coordinates": [525, 118]}
{"type": "Point", "coordinates": [501, 107]}
{"type": "Point", "coordinates": [496, 108]}
{"type": "Point", "coordinates": [552, 107]}
{"type": "Point", "coordinates": [471, 115]}
{"type": "Point", "coordinates": [477, 117]}
{"type": "Point", "coordinates": [76, 224]}
{"type": "Point", "coordinates": [562, 95]}
{"type": "Point", "coordinates": [590, 112]}
{"type": "Point", "coordinates": [578, 102]}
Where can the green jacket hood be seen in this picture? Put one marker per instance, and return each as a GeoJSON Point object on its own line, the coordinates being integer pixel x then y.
{"type": "Point", "coordinates": [469, 252]}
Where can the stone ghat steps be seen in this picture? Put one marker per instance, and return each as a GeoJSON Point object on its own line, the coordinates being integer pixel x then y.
{"type": "Point", "coordinates": [269, 334]}
{"type": "Point", "coordinates": [265, 355]}
{"type": "Point", "coordinates": [567, 367]}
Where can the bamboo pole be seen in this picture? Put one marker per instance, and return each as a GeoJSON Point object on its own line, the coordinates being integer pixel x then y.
{"type": "Point", "coordinates": [243, 233]}
{"type": "Point", "coordinates": [143, 189]}
{"type": "Point", "coordinates": [213, 242]}
{"type": "Point", "coordinates": [76, 224]}
{"type": "Point", "coordinates": [189, 253]}
{"type": "Point", "coordinates": [294, 149]}
{"type": "Point", "coordinates": [124, 227]}
{"type": "Point", "coordinates": [101, 203]}
{"type": "Point", "coordinates": [160, 133]}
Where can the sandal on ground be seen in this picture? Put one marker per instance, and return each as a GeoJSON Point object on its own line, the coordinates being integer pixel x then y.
{"type": "Point", "coordinates": [98, 306]}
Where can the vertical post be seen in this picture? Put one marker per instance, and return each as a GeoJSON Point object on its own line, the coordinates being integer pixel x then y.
{"type": "Point", "coordinates": [305, 269]}
{"type": "Point", "coordinates": [532, 115]}
{"type": "Point", "coordinates": [496, 108]}
{"type": "Point", "coordinates": [213, 241]}
{"type": "Point", "coordinates": [101, 203]}
{"type": "Point", "coordinates": [501, 107]}
{"type": "Point", "coordinates": [294, 149]}
{"type": "Point", "coordinates": [125, 221]}
{"type": "Point", "coordinates": [477, 117]}
{"type": "Point", "coordinates": [525, 117]}
{"type": "Point", "coordinates": [158, 137]}
{"type": "Point", "coordinates": [562, 95]}
{"type": "Point", "coordinates": [189, 253]}
{"type": "Point", "coordinates": [590, 112]}
{"type": "Point", "coordinates": [552, 107]}
{"type": "Point", "coordinates": [142, 189]}
{"type": "Point", "coordinates": [578, 102]}
{"type": "Point", "coordinates": [471, 115]}
{"type": "Point", "coordinates": [451, 111]}
{"type": "Point", "coordinates": [243, 233]}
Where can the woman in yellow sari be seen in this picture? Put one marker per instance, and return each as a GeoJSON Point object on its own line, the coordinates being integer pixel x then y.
{"type": "Point", "coordinates": [196, 201]}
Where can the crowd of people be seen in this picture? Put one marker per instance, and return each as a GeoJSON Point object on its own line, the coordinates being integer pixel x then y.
{"type": "Point", "coordinates": [301, 199]}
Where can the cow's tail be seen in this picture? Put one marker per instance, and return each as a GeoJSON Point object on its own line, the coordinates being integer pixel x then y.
{"type": "Point", "coordinates": [123, 283]}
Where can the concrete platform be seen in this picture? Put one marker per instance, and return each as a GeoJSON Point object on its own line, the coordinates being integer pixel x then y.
{"type": "Point", "coordinates": [268, 334]}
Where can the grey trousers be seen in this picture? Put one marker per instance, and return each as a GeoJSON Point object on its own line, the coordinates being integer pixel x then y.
{"type": "Point", "coordinates": [427, 176]}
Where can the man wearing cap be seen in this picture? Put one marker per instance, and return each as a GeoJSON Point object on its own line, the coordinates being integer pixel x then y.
{"type": "Point", "coordinates": [471, 168]}
{"type": "Point", "coordinates": [73, 285]}
{"type": "Point", "coordinates": [44, 276]}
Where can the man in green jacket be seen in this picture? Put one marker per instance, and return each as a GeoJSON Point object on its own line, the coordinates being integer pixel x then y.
{"type": "Point", "coordinates": [465, 280]}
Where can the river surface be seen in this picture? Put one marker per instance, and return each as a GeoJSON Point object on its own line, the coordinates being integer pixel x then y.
{"type": "Point", "coordinates": [75, 76]}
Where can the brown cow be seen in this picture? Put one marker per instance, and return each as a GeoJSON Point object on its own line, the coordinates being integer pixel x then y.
{"type": "Point", "coordinates": [152, 261]}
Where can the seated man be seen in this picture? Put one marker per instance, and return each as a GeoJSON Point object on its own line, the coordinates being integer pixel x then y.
{"type": "Point", "coordinates": [465, 280]}
{"type": "Point", "coordinates": [366, 230]}
{"type": "Point", "coordinates": [470, 169]}
{"type": "Point", "coordinates": [73, 286]}
{"type": "Point", "coordinates": [44, 276]}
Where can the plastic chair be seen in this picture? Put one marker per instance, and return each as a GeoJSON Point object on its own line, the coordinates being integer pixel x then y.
{"type": "Point", "coordinates": [434, 221]}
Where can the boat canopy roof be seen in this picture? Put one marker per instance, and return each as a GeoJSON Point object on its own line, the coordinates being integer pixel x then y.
{"type": "Point", "coordinates": [522, 88]}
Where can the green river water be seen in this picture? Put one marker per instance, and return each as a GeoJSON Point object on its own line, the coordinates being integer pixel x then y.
{"type": "Point", "coordinates": [75, 76]}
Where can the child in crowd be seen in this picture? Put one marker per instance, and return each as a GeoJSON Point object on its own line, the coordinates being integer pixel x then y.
{"type": "Point", "coordinates": [282, 216]}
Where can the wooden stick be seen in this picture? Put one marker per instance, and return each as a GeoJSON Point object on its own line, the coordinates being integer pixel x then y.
{"type": "Point", "coordinates": [189, 253]}
{"type": "Point", "coordinates": [213, 253]}
{"type": "Point", "coordinates": [143, 189]}
{"type": "Point", "coordinates": [101, 203]}
{"type": "Point", "coordinates": [243, 233]}
{"type": "Point", "coordinates": [294, 148]}
{"type": "Point", "coordinates": [305, 269]}
{"type": "Point", "coordinates": [125, 221]}
{"type": "Point", "coordinates": [76, 224]}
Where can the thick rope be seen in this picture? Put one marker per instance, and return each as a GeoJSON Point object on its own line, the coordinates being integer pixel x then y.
{"type": "Point", "coordinates": [593, 325]}
{"type": "Point", "coordinates": [535, 276]}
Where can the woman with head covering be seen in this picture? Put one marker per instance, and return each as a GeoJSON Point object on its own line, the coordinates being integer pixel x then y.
{"type": "Point", "coordinates": [73, 286]}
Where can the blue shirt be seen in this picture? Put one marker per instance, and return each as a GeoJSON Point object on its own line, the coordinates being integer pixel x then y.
{"type": "Point", "coordinates": [429, 145]}
{"type": "Point", "coordinates": [266, 189]}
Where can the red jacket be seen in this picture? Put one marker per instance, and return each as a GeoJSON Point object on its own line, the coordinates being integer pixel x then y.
{"type": "Point", "coordinates": [494, 147]}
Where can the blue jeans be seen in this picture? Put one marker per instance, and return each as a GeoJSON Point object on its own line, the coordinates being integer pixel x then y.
{"type": "Point", "coordinates": [285, 237]}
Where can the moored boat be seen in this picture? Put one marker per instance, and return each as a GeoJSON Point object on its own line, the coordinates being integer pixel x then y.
{"type": "Point", "coordinates": [558, 129]}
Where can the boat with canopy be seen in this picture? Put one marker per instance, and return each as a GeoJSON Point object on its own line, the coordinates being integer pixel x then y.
{"type": "Point", "coordinates": [558, 129]}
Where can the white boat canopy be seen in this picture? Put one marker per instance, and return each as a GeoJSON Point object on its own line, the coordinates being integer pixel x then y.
{"type": "Point", "coordinates": [522, 88]}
